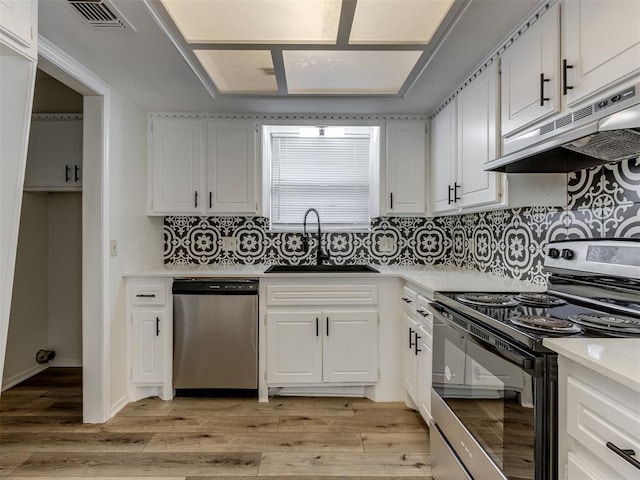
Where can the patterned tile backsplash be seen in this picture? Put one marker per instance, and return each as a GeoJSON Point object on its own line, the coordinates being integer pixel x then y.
{"type": "Point", "coordinates": [603, 201]}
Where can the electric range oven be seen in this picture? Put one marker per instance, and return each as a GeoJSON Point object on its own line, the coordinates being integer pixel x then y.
{"type": "Point", "coordinates": [494, 396]}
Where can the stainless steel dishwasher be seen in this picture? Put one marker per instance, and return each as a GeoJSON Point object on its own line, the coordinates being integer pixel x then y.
{"type": "Point", "coordinates": [215, 333]}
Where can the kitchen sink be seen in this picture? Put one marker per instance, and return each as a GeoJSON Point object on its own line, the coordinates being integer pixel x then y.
{"type": "Point", "coordinates": [320, 268]}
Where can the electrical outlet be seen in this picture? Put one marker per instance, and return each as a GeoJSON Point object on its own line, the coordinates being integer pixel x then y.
{"type": "Point", "coordinates": [387, 244]}
{"type": "Point", "coordinates": [228, 244]}
{"type": "Point", "coordinates": [113, 247]}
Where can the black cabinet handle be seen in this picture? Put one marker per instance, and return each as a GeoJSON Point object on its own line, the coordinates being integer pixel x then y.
{"type": "Point", "coordinates": [327, 326]}
{"type": "Point", "coordinates": [416, 349]}
{"type": "Point", "coordinates": [76, 173]}
{"type": "Point", "coordinates": [146, 295]}
{"type": "Point", "coordinates": [317, 328]}
{"type": "Point", "coordinates": [157, 326]}
{"type": "Point", "coordinates": [411, 332]}
{"type": "Point", "coordinates": [626, 453]}
{"type": "Point", "coordinates": [565, 86]}
{"type": "Point", "coordinates": [67, 173]}
{"type": "Point", "coordinates": [542, 97]}
{"type": "Point", "coordinates": [391, 200]}
{"type": "Point", "coordinates": [455, 191]}
{"type": "Point", "coordinates": [210, 199]}
{"type": "Point", "coordinates": [449, 194]}
{"type": "Point", "coordinates": [195, 199]}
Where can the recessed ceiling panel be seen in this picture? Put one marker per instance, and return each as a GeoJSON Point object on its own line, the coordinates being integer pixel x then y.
{"type": "Point", "coordinates": [239, 71]}
{"type": "Point", "coordinates": [256, 21]}
{"type": "Point", "coordinates": [397, 22]}
{"type": "Point", "coordinates": [347, 72]}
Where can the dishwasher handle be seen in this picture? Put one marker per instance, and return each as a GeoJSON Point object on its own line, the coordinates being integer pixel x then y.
{"type": "Point", "coordinates": [199, 286]}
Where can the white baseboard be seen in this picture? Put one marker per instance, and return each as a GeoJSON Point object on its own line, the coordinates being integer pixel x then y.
{"type": "Point", "coordinates": [66, 362]}
{"type": "Point", "coordinates": [14, 380]}
{"type": "Point", "coordinates": [119, 405]}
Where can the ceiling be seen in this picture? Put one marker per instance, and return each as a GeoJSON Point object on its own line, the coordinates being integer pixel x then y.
{"type": "Point", "coordinates": [144, 64]}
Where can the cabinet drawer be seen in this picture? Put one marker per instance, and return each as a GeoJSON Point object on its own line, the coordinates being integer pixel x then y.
{"type": "Point", "coordinates": [595, 418]}
{"type": "Point", "coordinates": [425, 314]}
{"type": "Point", "coordinates": [410, 299]}
{"type": "Point", "coordinates": [147, 294]}
{"type": "Point", "coordinates": [322, 295]}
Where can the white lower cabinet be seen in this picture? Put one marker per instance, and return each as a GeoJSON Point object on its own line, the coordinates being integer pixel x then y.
{"type": "Point", "coordinates": [417, 357]}
{"type": "Point", "coordinates": [150, 317]}
{"type": "Point", "coordinates": [599, 425]}
{"type": "Point", "coordinates": [330, 346]}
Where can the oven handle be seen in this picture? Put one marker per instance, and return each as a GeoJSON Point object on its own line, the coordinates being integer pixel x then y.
{"type": "Point", "coordinates": [530, 364]}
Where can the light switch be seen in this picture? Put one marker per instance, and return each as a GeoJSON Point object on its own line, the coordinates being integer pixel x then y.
{"type": "Point", "coordinates": [228, 244]}
{"type": "Point", "coordinates": [113, 247]}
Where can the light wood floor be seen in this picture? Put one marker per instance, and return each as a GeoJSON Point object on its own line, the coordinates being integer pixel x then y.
{"type": "Point", "coordinates": [42, 436]}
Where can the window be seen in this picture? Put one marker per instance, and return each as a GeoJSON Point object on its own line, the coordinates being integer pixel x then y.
{"type": "Point", "coordinates": [332, 169]}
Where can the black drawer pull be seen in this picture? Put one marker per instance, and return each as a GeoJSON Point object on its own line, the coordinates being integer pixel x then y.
{"type": "Point", "coordinates": [565, 86]}
{"type": "Point", "coordinates": [542, 97]}
{"type": "Point", "coordinates": [455, 191]}
{"type": "Point", "coordinates": [67, 173]}
{"type": "Point", "coordinates": [317, 328]}
{"type": "Point", "coordinates": [449, 201]}
{"type": "Point", "coordinates": [157, 326]}
{"type": "Point", "coordinates": [146, 295]}
{"type": "Point", "coordinates": [76, 173]}
{"type": "Point", "coordinates": [410, 338]}
{"type": "Point", "coordinates": [417, 350]}
{"type": "Point", "coordinates": [626, 453]}
{"type": "Point", "coordinates": [391, 200]}
{"type": "Point", "coordinates": [327, 326]}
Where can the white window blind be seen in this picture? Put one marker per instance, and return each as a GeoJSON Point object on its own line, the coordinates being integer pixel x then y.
{"type": "Point", "coordinates": [329, 173]}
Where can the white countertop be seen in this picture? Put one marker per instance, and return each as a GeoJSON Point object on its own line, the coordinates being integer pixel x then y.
{"type": "Point", "coordinates": [430, 279]}
{"type": "Point", "coordinates": [616, 358]}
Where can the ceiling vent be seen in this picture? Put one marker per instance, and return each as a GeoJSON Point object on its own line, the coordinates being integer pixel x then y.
{"type": "Point", "coordinates": [100, 14]}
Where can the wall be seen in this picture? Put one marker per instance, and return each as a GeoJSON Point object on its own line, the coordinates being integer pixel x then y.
{"type": "Point", "coordinates": [28, 327]}
{"type": "Point", "coordinates": [603, 201]}
{"type": "Point", "coordinates": [52, 96]}
{"type": "Point", "coordinates": [136, 233]}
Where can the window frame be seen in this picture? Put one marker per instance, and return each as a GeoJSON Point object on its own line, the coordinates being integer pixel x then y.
{"type": "Point", "coordinates": [376, 140]}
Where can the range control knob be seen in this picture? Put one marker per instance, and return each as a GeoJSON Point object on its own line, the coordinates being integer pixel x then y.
{"type": "Point", "coordinates": [567, 254]}
{"type": "Point", "coordinates": [554, 253]}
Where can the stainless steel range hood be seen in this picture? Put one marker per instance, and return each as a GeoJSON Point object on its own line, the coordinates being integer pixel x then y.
{"type": "Point", "coordinates": [605, 131]}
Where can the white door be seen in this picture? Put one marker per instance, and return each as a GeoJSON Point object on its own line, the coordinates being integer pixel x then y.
{"type": "Point", "coordinates": [601, 44]}
{"type": "Point", "coordinates": [530, 74]}
{"type": "Point", "coordinates": [231, 177]}
{"type": "Point", "coordinates": [478, 139]}
{"type": "Point", "coordinates": [148, 328]}
{"type": "Point", "coordinates": [54, 156]}
{"type": "Point", "coordinates": [406, 162]}
{"type": "Point", "coordinates": [410, 358]}
{"type": "Point", "coordinates": [295, 347]}
{"type": "Point", "coordinates": [424, 373]}
{"type": "Point", "coordinates": [443, 159]}
{"type": "Point", "coordinates": [350, 346]}
{"type": "Point", "coordinates": [176, 167]}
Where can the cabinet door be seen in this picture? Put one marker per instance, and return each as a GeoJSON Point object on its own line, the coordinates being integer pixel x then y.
{"type": "Point", "coordinates": [350, 346]}
{"type": "Point", "coordinates": [410, 363]}
{"type": "Point", "coordinates": [16, 20]}
{"type": "Point", "coordinates": [530, 80]}
{"type": "Point", "coordinates": [176, 167]}
{"type": "Point", "coordinates": [406, 163]}
{"type": "Point", "coordinates": [54, 157]}
{"type": "Point", "coordinates": [148, 328]}
{"type": "Point", "coordinates": [231, 177]}
{"type": "Point", "coordinates": [601, 42]}
{"type": "Point", "coordinates": [477, 139]}
{"type": "Point", "coordinates": [443, 159]}
{"type": "Point", "coordinates": [424, 373]}
{"type": "Point", "coordinates": [295, 347]}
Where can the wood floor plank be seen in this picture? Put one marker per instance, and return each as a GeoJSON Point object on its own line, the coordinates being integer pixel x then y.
{"type": "Point", "coordinates": [373, 423]}
{"type": "Point", "coordinates": [396, 442]}
{"type": "Point", "coordinates": [147, 407]}
{"type": "Point", "coordinates": [311, 477]}
{"type": "Point", "coordinates": [65, 423]}
{"type": "Point", "coordinates": [277, 406]}
{"type": "Point", "coordinates": [264, 442]}
{"type": "Point", "coordinates": [73, 442]}
{"type": "Point", "coordinates": [340, 464]}
{"type": "Point", "coordinates": [9, 461]}
{"type": "Point", "coordinates": [138, 464]}
{"type": "Point", "coordinates": [11, 477]}
{"type": "Point", "coordinates": [145, 424]}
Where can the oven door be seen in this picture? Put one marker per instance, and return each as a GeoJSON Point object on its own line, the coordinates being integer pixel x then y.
{"type": "Point", "coordinates": [491, 402]}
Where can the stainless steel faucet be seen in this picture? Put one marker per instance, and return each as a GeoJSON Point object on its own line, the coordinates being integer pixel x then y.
{"type": "Point", "coordinates": [320, 255]}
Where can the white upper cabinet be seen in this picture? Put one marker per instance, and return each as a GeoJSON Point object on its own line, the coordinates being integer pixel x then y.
{"type": "Point", "coordinates": [600, 45]}
{"type": "Point", "coordinates": [443, 159]}
{"type": "Point", "coordinates": [478, 140]}
{"type": "Point", "coordinates": [231, 176]}
{"type": "Point", "coordinates": [530, 74]}
{"type": "Point", "coordinates": [176, 181]}
{"type": "Point", "coordinates": [405, 168]}
{"type": "Point", "coordinates": [464, 138]}
{"type": "Point", "coordinates": [191, 174]}
{"type": "Point", "coordinates": [54, 156]}
{"type": "Point", "coordinates": [19, 25]}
